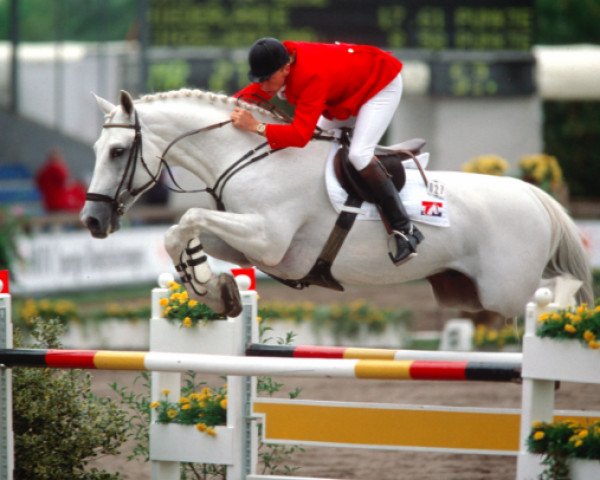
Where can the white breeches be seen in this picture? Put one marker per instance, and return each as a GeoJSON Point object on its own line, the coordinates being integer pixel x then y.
{"type": "Point", "coordinates": [370, 124]}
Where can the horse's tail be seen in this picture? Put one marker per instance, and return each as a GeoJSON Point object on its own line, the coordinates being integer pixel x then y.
{"type": "Point", "coordinates": [568, 254]}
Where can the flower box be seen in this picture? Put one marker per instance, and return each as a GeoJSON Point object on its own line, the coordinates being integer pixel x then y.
{"type": "Point", "coordinates": [211, 337]}
{"type": "Point", "coordinates": [581, 469]}
{"type": "Point", "coordinates": [172, 442]}
{"type": "Point", "coordinates": [565, 360]}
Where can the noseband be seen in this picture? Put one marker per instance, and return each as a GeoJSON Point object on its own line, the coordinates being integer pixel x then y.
{"type": "Point", "coordinates": [126, 183]}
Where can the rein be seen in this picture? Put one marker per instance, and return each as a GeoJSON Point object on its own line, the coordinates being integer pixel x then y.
{"type": "Point", "coordinates": [125, 186]}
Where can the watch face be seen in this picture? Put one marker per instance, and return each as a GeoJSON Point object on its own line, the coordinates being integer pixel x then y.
{"type": "Point", "coordinates": [261, 128]}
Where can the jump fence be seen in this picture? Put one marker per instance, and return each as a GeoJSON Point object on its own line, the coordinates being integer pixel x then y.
{"type": "Point", "coordinates": [229, 347]}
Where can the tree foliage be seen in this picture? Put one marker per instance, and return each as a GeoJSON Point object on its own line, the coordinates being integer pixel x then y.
{"type": "Point", "coordinates": [572, 129]}
{"type": "Point", "coordinates": [76, 20]}
{"type": "Point", "coordinates": [562, 22]}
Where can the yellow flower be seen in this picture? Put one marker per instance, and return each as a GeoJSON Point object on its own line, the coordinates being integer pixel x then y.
{"type": "Point", "coordinates": [206, 392]}
{"type": "Point", "coordinates": [201, 427]}
{"type": "Point", "coordinates": [581, 308]}
{"type": "Point", "coordinates": [589, 336]}
{"type": "Point", "coordinates": [538, 435]}
{"type": "Point", "coordinates": [488, 164]}
{"type": "Point", "coordinates": [186, 406]}
{"type": "Point", "coordinates": [192, 303]}
{"type": "Point", "coordinates": [171, 413]}
{"type": "Point", "coordinates": [569, 328]}
{"type": "Point", "coordinates": [492, 336]}
{"type": "Point", "coordinates": [594, 345]}
{"type": "Point", "coordinates": [184, 400]}
{"type": "Point", "coordinates": [183, 297]}
{"type": "Point", "coordinates": [544, 317]}
{"type": "Point", "coordinates": [174, 285]}
{"type": "Point", "coordinates": [163, 302]}
{"type": "Point", "coordinates": [223, 404]}
{"type": "Point", "coordinates": [166, 392]}
{"type": "Point", "coordinates": [211, 431]}
{"type": "Point", "coordinates": [187, 322]}
{"type": "Point", "coordinates": [154, 404]}
{"type": "Point", "coordinates": [583, 434]}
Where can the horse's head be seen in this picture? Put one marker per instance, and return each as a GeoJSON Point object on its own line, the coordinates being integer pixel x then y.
{"type": "Point", "coordinates": [123, 170]}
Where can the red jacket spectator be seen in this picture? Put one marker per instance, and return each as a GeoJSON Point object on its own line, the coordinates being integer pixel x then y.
{"type": "Point", "coordinates": [58, 193]}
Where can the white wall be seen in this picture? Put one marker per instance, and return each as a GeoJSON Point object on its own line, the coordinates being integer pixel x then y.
{"type": "Point", "coordinates": [457, 130]}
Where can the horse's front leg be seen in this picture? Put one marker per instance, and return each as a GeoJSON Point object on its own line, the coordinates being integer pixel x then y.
{"type": "Point", "coordinates": [247, 233]}
{"type": "Point", "coordinates": [219, 292]}
{"type": "Point", "coordinates": [240, 236]}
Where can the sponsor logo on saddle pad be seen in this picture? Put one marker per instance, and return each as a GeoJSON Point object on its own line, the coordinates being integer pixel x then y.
{"type": "Point", "coordinates": [432, 209]}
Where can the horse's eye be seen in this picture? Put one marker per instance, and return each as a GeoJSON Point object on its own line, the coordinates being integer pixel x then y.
{"type": "Point", "coordinates": [116, 152]}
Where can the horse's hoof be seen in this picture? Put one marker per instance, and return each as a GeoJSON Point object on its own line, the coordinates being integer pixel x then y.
{"type": "Point", "coordinates": [230, 295]}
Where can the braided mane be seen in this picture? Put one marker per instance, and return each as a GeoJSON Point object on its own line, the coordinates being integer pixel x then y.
{"type": "Point", "coordinates": [202, 95]}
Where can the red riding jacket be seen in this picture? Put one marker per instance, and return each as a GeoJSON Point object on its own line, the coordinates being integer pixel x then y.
{"type": "Point", "coordinates": [333, 80]}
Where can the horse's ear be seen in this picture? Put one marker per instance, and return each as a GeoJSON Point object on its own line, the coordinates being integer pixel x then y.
{"type": "Point", "coordinates": [105, 106]}
{"type": "Point", "coordinates": [126, 102]}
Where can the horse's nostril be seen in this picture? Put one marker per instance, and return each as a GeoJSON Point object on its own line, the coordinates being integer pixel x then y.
{"type": "Point", "coordinates": [92, 223]}
{"type": "Point", "coordinates": [94, 226]}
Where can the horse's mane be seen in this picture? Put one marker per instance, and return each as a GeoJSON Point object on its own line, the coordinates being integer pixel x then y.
{"type": "Point", "coordinates": [211, 97]}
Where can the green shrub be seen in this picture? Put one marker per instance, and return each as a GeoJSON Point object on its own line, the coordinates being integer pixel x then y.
{"type": "Point", "coordinates": [59, 424]}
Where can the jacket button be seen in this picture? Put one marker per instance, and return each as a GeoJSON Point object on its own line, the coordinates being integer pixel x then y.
{"type": "Point", "coordinates": [350, 50]}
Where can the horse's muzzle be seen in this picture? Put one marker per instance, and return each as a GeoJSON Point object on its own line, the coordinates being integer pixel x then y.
{"type": "Point", "coordinates": [99, 219]}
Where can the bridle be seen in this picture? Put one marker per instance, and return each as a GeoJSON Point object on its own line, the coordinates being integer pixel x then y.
{"type": "Point", "coordinates": [126, 187]}
{"type": "Point", "coordinates": [126, 184]}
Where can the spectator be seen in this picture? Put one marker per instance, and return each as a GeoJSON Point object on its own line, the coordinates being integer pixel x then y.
{"type": "Point", "coordinates": [59, 193]}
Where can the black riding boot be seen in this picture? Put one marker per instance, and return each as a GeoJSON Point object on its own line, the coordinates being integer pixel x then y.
{"type": "Point", "coordinates": [405, 235]}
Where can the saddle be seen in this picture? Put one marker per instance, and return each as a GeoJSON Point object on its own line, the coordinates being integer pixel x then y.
{"type": "Point", "coordinates": [391, 157]}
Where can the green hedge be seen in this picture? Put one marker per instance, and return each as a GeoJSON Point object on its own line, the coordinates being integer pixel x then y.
{"type": "Point", "coordinates": [572, 134]}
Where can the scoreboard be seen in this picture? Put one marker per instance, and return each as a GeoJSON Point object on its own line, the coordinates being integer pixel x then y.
{"type": "Point", "coordinates": [474, 47]}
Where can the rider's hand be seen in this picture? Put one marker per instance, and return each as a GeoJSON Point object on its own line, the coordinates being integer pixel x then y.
{"type": "Point", "coordinates": [243, 120]}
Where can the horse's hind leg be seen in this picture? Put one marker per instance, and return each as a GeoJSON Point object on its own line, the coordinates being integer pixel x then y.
{"type": "Point", "coordinates": [506, 294]}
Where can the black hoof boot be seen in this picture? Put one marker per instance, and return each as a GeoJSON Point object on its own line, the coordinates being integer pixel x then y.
{"type": "Point", "coordinates": [403, 246]}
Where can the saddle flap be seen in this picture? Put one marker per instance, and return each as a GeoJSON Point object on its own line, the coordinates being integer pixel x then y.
{"type": "Point", "coordinates": [353, 183]}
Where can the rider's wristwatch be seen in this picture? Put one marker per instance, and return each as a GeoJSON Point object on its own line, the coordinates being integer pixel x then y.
{"type": "Point", "coordinates": [260, 129]}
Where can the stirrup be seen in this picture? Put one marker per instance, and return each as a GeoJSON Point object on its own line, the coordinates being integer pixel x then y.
{"type": "Point", "coordinates": [405, 248]}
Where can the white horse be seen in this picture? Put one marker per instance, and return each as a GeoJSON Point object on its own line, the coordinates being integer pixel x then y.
{"type": "Point", "coordinates": [506, 235]}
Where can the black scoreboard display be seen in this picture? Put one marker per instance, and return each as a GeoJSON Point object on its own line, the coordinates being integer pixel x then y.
{"type": "Point", "coordinates": [474, 47]}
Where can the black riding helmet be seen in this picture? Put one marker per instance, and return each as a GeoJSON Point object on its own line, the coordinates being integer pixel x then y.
{"type": "Point", "coordinates": [266, 56]}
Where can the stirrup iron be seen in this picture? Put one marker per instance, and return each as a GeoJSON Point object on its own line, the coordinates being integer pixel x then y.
{"type": "Point", "coordinates": [400, 247]}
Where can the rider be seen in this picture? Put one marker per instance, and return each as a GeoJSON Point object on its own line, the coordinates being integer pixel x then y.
{"type": "Point", "coordinates": [332, 86]}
